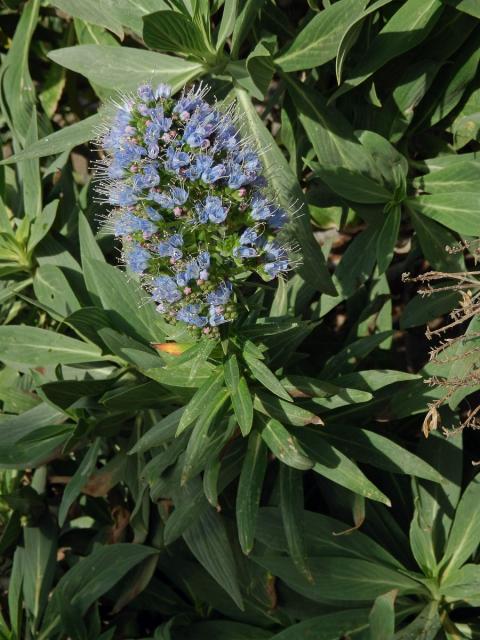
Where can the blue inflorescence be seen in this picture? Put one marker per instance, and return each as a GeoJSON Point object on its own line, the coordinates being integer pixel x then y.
{"type": "Point", "coordinates": [190, 204]}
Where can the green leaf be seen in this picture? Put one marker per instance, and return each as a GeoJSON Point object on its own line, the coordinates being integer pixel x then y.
{"type": "Point", "coordinates": [355, 268]}
{"type": "Point", "coordinates": [259, 66]}
{"type": "Point", "coordinates": [322, 538]}
{"type": "Point", "coordinates": [286, 412]}
{"type": "Point", "coordinates": [434, 240]}
{"type": "Point", "coordinates": [41, 224]}
{"type": "Point", "coordinates": [463, 584]}
{"type": "Point", "coordinates": [436, 503]}
{"type": "Point", "coordinates": [382, 617]}
{"type": "Point", "coordinates": [31, 435]}
{"type": "Point", "coordinates": [351, 185]}
{"type": "Point", "coordinates": [159, 433]}
{"type": "Point", "coordinates": [425, 626]}
{"type": "Point", "coordinates": [285, 446]}
{"type": "Point", "coordinates": [350, 36]}
{"type": "Point", "coordinates": [249, 490]}
{"type": "Point", "coordinates": [393, 166]}
{"type": "Point", "coordinates": [465, 363]}
{"type": "Point", "coordinates": [78, 480]}
{"type": "Point", "coordinates": [227, 23]}
{"type": "Point", "coordinates": [202, 401]}
{"type": "Point", "coordinates": [262, 373]}
{"type": "Point", "coordinates": [239, 395]}
{"type": "Point", "coordinates": [331, 135]}
{"type": "Point", "coordinates": [210, 482]}
{"type": "Point", "coordinates": [15, 598]}
{"type": "Point", "coordinates": [456, 210]}
{"type": "Point", "coordinates": [387, 238]}
{"type": "Point", "coordinates": [124, 68]}
{"type": "Point", "coordinates": [40, 557]}
{"type": "Point", "coordinates": [330, 626]}
{"type": "Point", "coordinates": [411, 24]}
{"type": "Point", "coordinates": [331, 463]}
{"type": "Point", "coordinates": [222, 630]}
{"type": "Point", "coordinates": [39, 347]}
{"type": "Point", "coordinates": [421, 310]}
{"type": "Point", "coordinates": [341, 578]}
{"type": "Point", "coordinates": [17, 86]}
{"type": "Point", "coordinates": [376, 449]}
{"type": "Point", "coordinates": [464, 535]}
{"type": "Point", "coordinates": [175, 32]}
{"type": "Point", "coordinates": [291, 507]}
{"type": "Point", "coordinates": [243, 23]}
{"type": "Point", "coordinates": [289, 194]}
{"type": "Point", "coordinates": [317, 42]}
{"type": "Point", "coordinates": [52, 91]}
{"type": "Point", "coordinates": [407, 95]}
{"type": "Point", "coordinates": [53, 290]}
{"type": "Point", "coordinates": [472, 7]}
{"type": "Point", "coordinates": [207, 437]}
{"type": "Point", "coordinates": [462, 73]}
{"type": "Point", "coordinates": [89, 249]}
{"type": "Point", "coordinates": [123, 300]}
{"type": "Point", "coordinates": [100, 13]}
{"type": "Point", "coordinates": [207, 540]}
{"type": "Point", "coordinates": [59, 141]}
{"type": "Point", "coordinates": [461, 176]}
{"type": "Point", "coordinates": [90, 578]}
{"type": "Point", "coordinates": [30, 170]}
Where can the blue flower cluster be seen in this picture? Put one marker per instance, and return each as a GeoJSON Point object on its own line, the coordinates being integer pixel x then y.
{"type": "Point", "coordinates": [189, 203]}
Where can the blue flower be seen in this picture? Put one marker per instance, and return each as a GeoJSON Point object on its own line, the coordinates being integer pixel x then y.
{"type": "Point", "coordinates": [249, 236]}
{"type": "Point", "coordinates": [170, 247]}
{"type": "Point", "coordinates": [221, 295]}
{"type": "Point", "coordinates": [176, 160]}
{"type": "Point", "coordinates": [163, 91]}
{"type": "Point", "coordinates": [164, 200]}
{"type": "Point", "coordinates": [145, 92]}
{"type": "Point", "coordinates": [262, 209]}
{"type": "Point", "coordinates": [153, 215]}
{"type": "Point", "coordinates": [137, 258]}
{"type": "Point", "coordinates": [215, 315]}
{"type": "Point", "coordinates": [245, 252]}
{"type": "Point", "coordinates": [165, 290]}
{"type": "Point", "coordinates": [171, 168]}
{"type": "Point", "coordinates": [214, 173]}
{"type": "Point", "coordinates": [203, 260]}
{"type": "Point", "coordinates": [190, 314]}
{"type": "Point", "coordinates": [179, 195]}
{"type": "Point", "coordinates": [128, 223]}
{"type": "Point", "coordinates": [273, 269]}
{"type": "Point", "coordinates": [212, 210]}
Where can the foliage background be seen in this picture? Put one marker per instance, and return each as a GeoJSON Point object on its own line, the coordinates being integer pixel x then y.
{"type": "Point", "coordinates": [112, 527]}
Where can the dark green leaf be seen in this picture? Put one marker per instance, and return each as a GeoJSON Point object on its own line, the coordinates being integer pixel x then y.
{"type": "Point", "coordinates": [208, 541]}
{"type": "Point", "coordinates": [317, 42]}
{"type": "Point", "coordinates": [285, 446]}
{"type": "Point", "coordinates": [39, 347]}
{"type": "Point", "coordinates": [125, 68]}
{"type": "Point", "coordinates": [249, 490]}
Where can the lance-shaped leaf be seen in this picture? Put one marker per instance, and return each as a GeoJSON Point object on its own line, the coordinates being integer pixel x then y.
{"type": "Point", "coordinates": [249, 490]}
{"type": "Point", "coordinates": [289, 193]}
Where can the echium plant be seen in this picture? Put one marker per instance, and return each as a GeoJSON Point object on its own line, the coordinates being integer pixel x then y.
{"type": "Point", "coordinates": [190, 204]}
